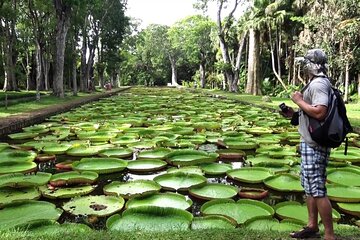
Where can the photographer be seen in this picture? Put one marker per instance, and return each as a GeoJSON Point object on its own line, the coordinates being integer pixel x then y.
{"type": "Point", "coordinates": [313, 102]}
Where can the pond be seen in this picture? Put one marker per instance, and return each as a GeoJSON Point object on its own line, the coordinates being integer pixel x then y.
{"type": "Point", "coordinates": [185, 159]}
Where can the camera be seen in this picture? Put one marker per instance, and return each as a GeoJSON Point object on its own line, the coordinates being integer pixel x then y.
{"type": "Point", "coordinates": [284, 108]}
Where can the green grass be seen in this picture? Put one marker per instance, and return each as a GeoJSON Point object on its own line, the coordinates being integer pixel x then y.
{"type": "Point", "coordinates": [216, 234]}
{"type": "Point", "coordinates": [16, 95]}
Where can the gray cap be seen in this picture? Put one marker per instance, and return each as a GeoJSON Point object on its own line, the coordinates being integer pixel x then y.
{"type": "Point", "coordinates": [316, 56]}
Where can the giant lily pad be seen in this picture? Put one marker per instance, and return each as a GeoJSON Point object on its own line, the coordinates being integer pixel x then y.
{"type": "Point", "coordinates": [344, 176]}
{"type": "Point", "coordinates": [190, 157]}
{"type": "Point", "coordinates": [158, 153]}
{"type": "Point", "coordinates": [351, 156]}
{"type": "Point", "coordinates": [231, 154]}
{"type": "Point", "coordinates": [269, 223]}
{"type": "Point", "coordinates": [9, 195]}
{"type": "Point", "coordinates": [340, 193]}
{"type": "Point", "coordinates": [56, 148]}
{"type": "Point", "coordinates": [20, 180]}
{"type": "Point", "coordinates": [65, 192]}
{"type": "Point", "coordinates": [83, 151]}
{"type": "Point", "coordinates": [215, 168]}
{"type": "Point", "coordinates": [172, 200]}
{"type": "Point", "coordinates": [150, 219]}
{"type": "Point", "coordinates": [100, 165]}
{"type": "Point", "coordinates": [116, 152]}
{"type": "Point", "coordinates": [17, 156]}
{"type": "Point", "coordinates": [17, 167]}
{"type": "Point", "coordinates": [73, 177]}
{"type": "Point", "coordinates": [350, 208]}
{"type": "Point", "coordinates": [179, 181]}
{"type": "Point", "coordinates": [241, 211]}
{"type": "Point", "coordinates": [146, 165]}
{"type": "Point", "coordinates": [94, 205]}
{"type": "Point", "coordinates": [212, 222]}
{"type": "Point", "coordinates": [239, 143]}
{"type": "Point", "coordinates": [294, 210]}
{"type": "Point", "coordinates": [250, 174]}
{"type": "Point", "coordinates": [186, 169]}
{"type": "Point", "coordinates": [132, 188]}
{"type": "Point", "coordinates": [27, 212]}
{"type": "Point", "coordinates": [23, 135]}
{"type": "Point", "coordinates": [284, 182]}
{"type": "Point", "coordinates": [214, 191]}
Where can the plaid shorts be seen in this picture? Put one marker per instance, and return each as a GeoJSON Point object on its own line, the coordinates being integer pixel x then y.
{"type": "Point", "coordinates": [313, 169]}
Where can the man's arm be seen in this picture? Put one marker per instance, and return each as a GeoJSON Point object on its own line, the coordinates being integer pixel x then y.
{"type": "Point", "coordinates": [318, 112]}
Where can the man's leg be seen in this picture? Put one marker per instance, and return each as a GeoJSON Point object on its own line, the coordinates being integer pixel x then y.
{"type": "Point", "coordinates": [313, 212]}
{"type": "Point", "coordinates": [324, 206]}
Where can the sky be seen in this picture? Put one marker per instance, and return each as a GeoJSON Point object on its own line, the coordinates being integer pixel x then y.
{"type": "Point", "coordinates": [165, 12]}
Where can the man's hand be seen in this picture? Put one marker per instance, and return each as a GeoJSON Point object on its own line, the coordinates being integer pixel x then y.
{"type": "Point", "coordinates": [289, 113]}
{"type": "Point", "coordinates": [297, 97]}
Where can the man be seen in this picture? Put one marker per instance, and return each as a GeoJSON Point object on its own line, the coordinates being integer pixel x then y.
{"type": "Point", "coordinates": [313, 102]}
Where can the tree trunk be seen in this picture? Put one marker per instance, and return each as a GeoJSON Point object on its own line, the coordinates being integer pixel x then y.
{"type": "Point", "coordinates": [63, 12]}
{"type": "Point", "coordinates": [358, 90]}
{"type": "Point", "coordinates": [46, 66]}
{"type": "Point", "coordinates": [10, 83]}
{"type": "Point", "coordinates": [173, 71]}
{"type": "Point", "coordinates": [253, 82]}
{"type": "Point", "coordinates": [83, 80]}
{"type": "Point", "coordinates": [38, 59]}
{"type": "Point", "coordinates": [236, 82]}
{"type": "Point", "coordinates": [73, 74]}
{"type": "Point", "coordinates": [202, 73]}
{"type": "Point", "coordinates": [346, 87]}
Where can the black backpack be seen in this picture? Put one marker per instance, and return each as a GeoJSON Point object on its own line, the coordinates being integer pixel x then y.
{"type": "Point", "coordinates": [332, 131]}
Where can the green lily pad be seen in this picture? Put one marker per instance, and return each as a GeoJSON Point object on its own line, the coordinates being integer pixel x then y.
{"type": "Point", "coordinates": [351, 156]}
{"type": "Point", "coordinates": [241, 211]}
{"type": "Point", "coordinates": [186, 169]}
{"type": "Point", "coordinates": [56, 148]}
{"type": "Point", "coordinates": [100, 165]}
{"type": "Point", "coordinates": [83, 151]}
{"type": "Point", "coordinates": [9, 195]}
{"type": "Point", "coordinates": [18, 180]}
{"type": "Point", "coordinates": [179, 181]}
{"type": "Point", "coordinates": [297, 211]}
{"type": "Point", "coordinates": [23, 135]}
{"type": "Point", "coordinates": [344, 176]}
{"type": "Point", "coordinates": [125, 140]}
{"type": "Point", "coordinates": [231, 154]}
{"type": "Point", "coordinates": [269, 223]}
{"type": "Point", "coordinates": [350, 208]}
{"type": "Point", "coordinates": [239, 143]}
{"type": "Point", "coordinates": [73, 177]}
{"type": "Point", "coordinates": [132, 188]}
{"type": "Point", "coordinates": [65, 192]}
{"type": "Point", "coordinates": [146, 165]}
{"type": "Point", "coordinates": [249, 174]}
{"type": "Point", "coordinates": [340, 193]}
{"type": "Point", "coordinates": [212, 222]}
{"type": "Point", "coordinates": [284, 182]}
{"type": "Point", "coordinates": [17, 167]}
{"type": "Point", "coordinates": [143, 144]}
{"type": "Point", "coordinates": [27, 212]}
{"type": "Point", "coordinates": [214, 191]}
{"type": "Point", "coordinates": [259, 130]}
{"type": "Point", "coordinates": [150, 219]}
{"type": "Point", "coordinates": [100, 206]}
{"type": "Point", "coordinates": [116, 152]}
{"type": "Point", "coordinates": [190, 157]}
{"type": "Point", "coordinates": [17, 156]}
{"type": "Point", "coordinates": [173, 200]}
{"type": "Point", "coordinates": [215, 168]}
{"type": "Point", "coordinates": [158, 153]}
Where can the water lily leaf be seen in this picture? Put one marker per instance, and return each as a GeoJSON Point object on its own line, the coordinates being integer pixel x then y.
{"type": "Point", "coordinates": [131, 188]}
{"type": "Point", "coordinates": [212, 222]}
{"type": "Point", "coordinates": [18, 180]}
{"type": "Point", "coordinates": [146, 165]}
{"type": "Point", "coordinates": [179, 181]}
{"type": "Point", "coordinates": [284, 182]}
{"type": "Point", "coordinates": [344, 176]}
{"type": "Point", "coordinates": [250, 174]}
{"type": "Point", "coordinates": [157, 153]}
{"type": "Point", "coordinates": [10, 155]}
{"type": "Point", "coordinates": [73, 177]}
{"type": "Point", "coordinates": [9, 195]}
{"type": "Point", "coordinates": [171, 200]}
{"type": "Point", "coordinates": [150, 219]}
{"type": "Point", "coordinates": [100, 165]}
{"type": "Point", "coordinates": [215, 168]}
{"type": "Point", "coordinates": [17, 167]}
{"type": "Point", "coordinates": [350, 208]}
{"type": "Point", "coordinates": [340, 193]}
{"type": "Point", "coordinates": [214, 191]}
{"type": "Point", "coordinates": [190, 157]}
{"type": "Point", "coordinates": [27, 212]}
{"type": "Point", "coordinates": [94, 205]}
{"type": "Point", "coordinates": [65, 192]}
{"type": "Point", "coordinates": [116, 152]}
{"type": "Point", "coordinates": [23, 135]}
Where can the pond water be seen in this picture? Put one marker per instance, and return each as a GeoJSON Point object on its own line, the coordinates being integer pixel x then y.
{"type": "Point", "coordinates": [156, 114]}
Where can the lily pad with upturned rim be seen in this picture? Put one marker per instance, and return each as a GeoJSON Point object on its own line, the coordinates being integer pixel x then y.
{"type": "Point", "coordinates": [83, 151]}
{"type": "Point", "coordinates": [150, 219]}
{"type": "Point", "coordinates": [146, 165]}
{"type": "Point", "coordinates": [190, 157]}
{"type": "Point", "coordinates": [157, 153]}
{"type": "Point", "coordinates": [172, 200]}
{"type": "Point", "coordinates": [116, 152]}
{"type": "Point", "coordinates": [23, 135]}
{"type": "Point", "coordinates": [350, 208]}
{"type": "Point", "coordinates": [65, 192]}
{"type": "Point", "coordinates": [27, 212]}
{"type": "Point", "coordinates": [100, 165]}
{"type": "Point", "coordinates": [100, 206]}
{"type": "Point", "coordinates": [179, 181]}
{"type": "Point", "coordinates": [212, 191]}
{"type": "Point", "coordinates": [9, 195]}
{"type": "Point", "coordinates": [340, 193]}
{"type": "Point", "coordinates": [186, 169]}
{"type": "Point", "coordinates": [241, 211]}
{"type": "Point", "coordinates": [9, 155]}
{"type": "Point", "coordinates": [344, 176]}
{"type": "Point", "coordinates": [131, 188]}
{"type": "Point", "coordinates": [56, 148]}
{"type": "Point", "coordinates": [215, 168]}
{"type": "Point", "coordinates": [284, 182]}
{"type": "Point", "coordinates": [249, 174]}
{"type": "Point", "coordinates": [253, 193]}
{"type": "Point", "coordinates": [17, 167]}
{"type": "Point", "coordinates": [269, 223]}
{"type": "Point", "coordinates": [212, 222]}
{"type": "Point", "coordinates": [20, 180]}
{"type": "Point", "coordinates": [73, 177]}
{"type": "Point", "coordinates": [230, 154]}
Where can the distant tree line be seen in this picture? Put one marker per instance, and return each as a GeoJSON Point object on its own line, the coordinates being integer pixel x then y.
{"type": "Point", "coordinates": [77, 45]}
